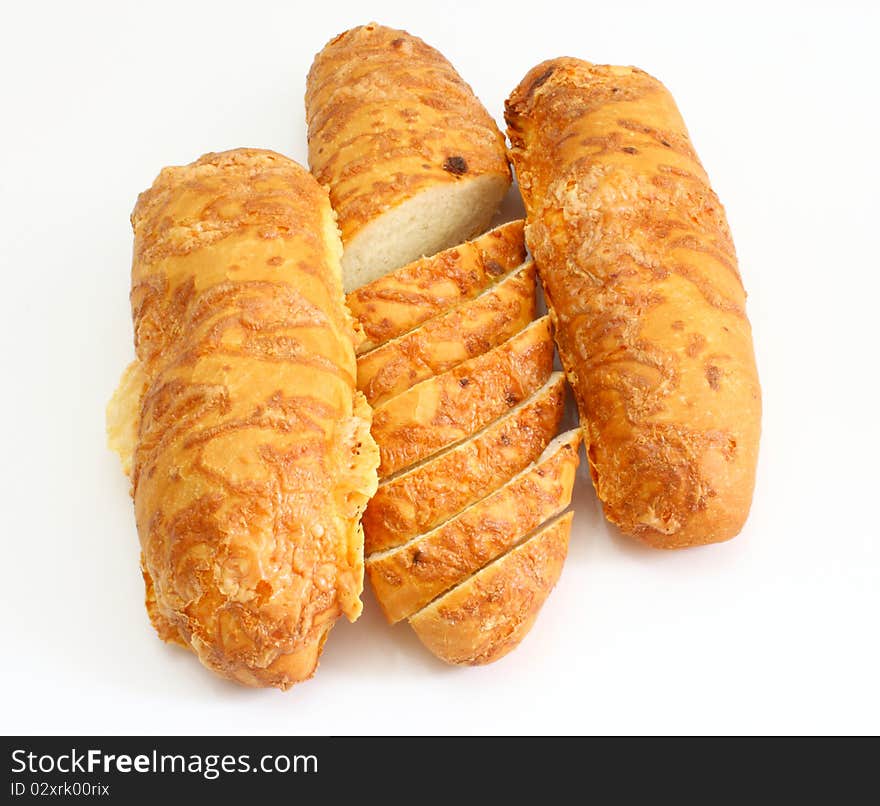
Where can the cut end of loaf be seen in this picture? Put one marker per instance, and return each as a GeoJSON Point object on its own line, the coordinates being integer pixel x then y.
{"type": "Point", "coordinates": [436, 219]}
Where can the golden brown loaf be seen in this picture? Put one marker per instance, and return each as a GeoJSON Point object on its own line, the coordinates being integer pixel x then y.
{"type": "Point", "coordinates": [641, 277]}
{"type": "Point", "coordinates": [485, 617]}
{"type": "Point", "coordinates": [464, 332]}
{"type": "Point", "coordinates": [465, 403]}
{"type": "Point", "coordinates": [402, 300]}
{"type": "Point", "coordinates": [253, 458]}
{"type": "Point", "coordinates": [413, 160]}
{"type": "Point", "coordinates": [433, 491]}
{"type": "Point", "coordinates": [407, 578]}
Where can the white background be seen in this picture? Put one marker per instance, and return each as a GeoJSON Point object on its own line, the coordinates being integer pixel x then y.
{"type": "Point", "coordinates": [776, 631]}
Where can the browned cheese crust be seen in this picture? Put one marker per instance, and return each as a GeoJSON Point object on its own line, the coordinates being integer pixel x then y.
{"type": "Point", "coordinates": [388, 116]}
{"type": "Point", "coordinates": [402, 300]}
{"type": "Point", "coordinates": [451, 406]}
{"type": "Point", "coordinates": [487, 616]}
{"type": "Point", "coordinates": [439, 344]}
{"type": "Point", "coordinates": [420, 499]}
{"type": "Point", "coordinates": [640, 273]}
{"type": "Point", "coordinates": [253, 458]}
{"type": "Point", "coordinates": [409, 577]}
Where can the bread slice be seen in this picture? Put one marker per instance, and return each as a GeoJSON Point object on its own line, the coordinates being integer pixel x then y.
{"type": "Point", "coordinates": [457, 403]}
{"type": "Point", "coordinates": [446, 340]}
{"type": "Point", "coordinates": [413, 161]}
{"type": "Point", "coordinates": [432, 492]}
{"type": "Point", "coordinates": [402, 300]}
{"type": "Point", "coordinates": [488, 615]}
{"type": "Point", "coordinates": [406, 578]}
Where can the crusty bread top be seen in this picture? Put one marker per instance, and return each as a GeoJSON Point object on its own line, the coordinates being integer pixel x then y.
{"type": "Point", "coordinates": [388, 116]}
{"type": "Point", "coordinates": [641, 277]}
{"type": "Point", "coordinates": [254, 458]}
{"type": "Point", "coordinates": [191, 209]}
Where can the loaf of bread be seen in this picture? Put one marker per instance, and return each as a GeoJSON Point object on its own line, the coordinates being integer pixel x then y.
{"type": "Point", "coordinates": [641, 279]}
{"type": "Point", "coordinates": [402, 300]}
{"type": "Point", "coordinates": [486, 616]}
{"type": "Point", "coordinates": [413, 161]}
{"type": "Point", "coordinates": [462, 419]}
{"type": "Point", "coordinates": [464, 332]}
{"type": "Point", "coordinates": [252, 457]}
{"type": "Point", "coordinates": [466, 402]}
